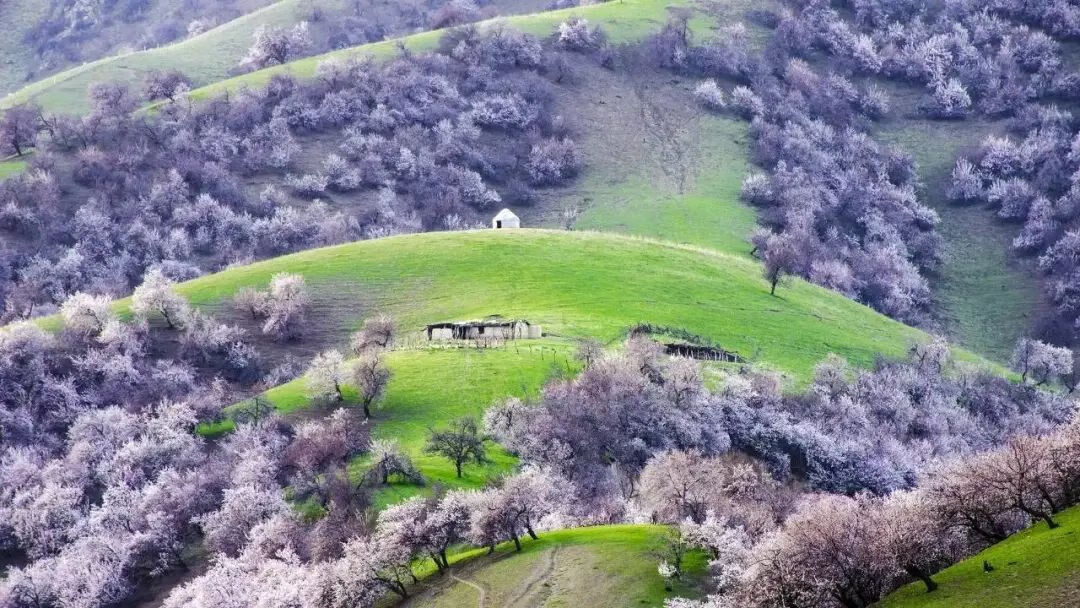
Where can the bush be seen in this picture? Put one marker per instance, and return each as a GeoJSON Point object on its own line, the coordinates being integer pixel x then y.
{"type": "Point", "coordinates": [710, 95]}
{"type": "Point", "coordinates": [553, 161]}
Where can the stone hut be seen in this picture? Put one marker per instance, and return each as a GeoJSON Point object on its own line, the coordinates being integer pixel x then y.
{"type": "Point", "coordinates": [505, 219]}
{"type": "Point", "coordinates": [485, 329]}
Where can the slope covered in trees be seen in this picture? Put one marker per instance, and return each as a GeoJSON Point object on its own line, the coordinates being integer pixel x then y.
{"type": "Point", "coordinates": [368, 455]}
{"type": "Point", "coordinates": [209, 58]}
{"type": "Point", "coordinates": [206, 57]}
{"type": "Point", "coordinates": [214, 49]}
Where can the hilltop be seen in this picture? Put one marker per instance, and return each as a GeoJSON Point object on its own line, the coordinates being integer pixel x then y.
{"type": "Point", "coordinates": [576, 285]}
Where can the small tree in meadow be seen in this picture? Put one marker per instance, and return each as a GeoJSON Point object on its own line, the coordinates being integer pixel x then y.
{"type": "Point", "coordinates": [325, 376]}
{"type": "Point", "coordinates": [370, 376]}
{"type": "Point", "coordinates": [458, 444]}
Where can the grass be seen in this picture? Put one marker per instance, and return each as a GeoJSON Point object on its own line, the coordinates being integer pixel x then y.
{"type": "Point", "coordinates": [11, 166]}
{"type": "Point", "coordinates": [683, 183]}
{"type": "Point", "coordinates": [575, 284]}
{"type": "Point", "coordinates": [430, 388]}
{"type": "Point", "coordinates": [17, 17]}
{"type": "Point", "coordinates": [600, 567]}
{"type": "Point", "coordinates": [986, 298]}
{"type": "Point", "coordinates": [1033, 569]}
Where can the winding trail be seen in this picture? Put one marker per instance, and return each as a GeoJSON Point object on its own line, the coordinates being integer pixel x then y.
{"type": "Point", "coordinates": [480, 602]}
{"type": "Point", "coordinates": [535, 580]}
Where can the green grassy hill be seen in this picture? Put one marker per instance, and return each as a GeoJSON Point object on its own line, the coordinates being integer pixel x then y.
{"type": "Point", "coordinates": [599, 567]}
{"type": "Point", "coordinates": [575, 284]}
{"type": "Point", "coordinates": [1033, 569]}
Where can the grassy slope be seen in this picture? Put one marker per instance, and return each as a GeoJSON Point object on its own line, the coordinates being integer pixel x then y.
{"type": "Point", "coordinates": [1033, 569]}
{"type": "Point", "coordinates": [705, 211]}
{"type": "Point", "coordinates": [17, 17]}
{"type": "Point", "coordinates": [600, 567]}
{"type": "Point", "coordinates": [986, 298]}
{"type": "Point", "coordinates": [655, 164]}
{"type": "Point", "coordinates": [575, 284]}
{"type": "Point", "coordinates": [432, 387]}
{"type": "Point", "coordinates": [205, 58]}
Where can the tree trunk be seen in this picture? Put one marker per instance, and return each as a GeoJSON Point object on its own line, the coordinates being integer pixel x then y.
{"type": "Point", "coordinates": [517, 542]}
{"type": "Point", "coordinates": [457, 467]}
{"type": "Point", "coordinates": [918, 573]}
{"type": "Point", "coordinates": [1050, 523]}
{"type": "Point", "coordinates": [846, 601]}
{"type": "Point", "coordinates": [367, 409]}
{"type": "Point", "coordinates": [772, 288]}
{"type": "Point", "coordinates": [1037, 514]}
{"type": "Point", "coordinates": [529, 529]}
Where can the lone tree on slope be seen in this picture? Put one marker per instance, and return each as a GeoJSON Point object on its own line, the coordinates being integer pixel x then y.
{"type": "Point", "coordinates": [458, 443]}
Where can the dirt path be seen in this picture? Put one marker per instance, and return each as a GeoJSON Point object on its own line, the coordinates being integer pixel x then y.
{"type": "Point", "coordinates": [537, 578]}
{"type": "Point", "coordinates": [482, 600]}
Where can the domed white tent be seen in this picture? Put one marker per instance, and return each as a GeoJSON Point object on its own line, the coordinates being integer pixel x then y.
{"type": "Point", "coordinates": [505, 219]}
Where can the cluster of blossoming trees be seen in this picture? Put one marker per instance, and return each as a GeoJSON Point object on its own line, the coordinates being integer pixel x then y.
{"type": "Point", "coordinates": [105, 484]}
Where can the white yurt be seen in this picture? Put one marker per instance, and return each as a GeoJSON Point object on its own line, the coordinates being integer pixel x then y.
{"type": "Point", "coordinates": [505, 219]}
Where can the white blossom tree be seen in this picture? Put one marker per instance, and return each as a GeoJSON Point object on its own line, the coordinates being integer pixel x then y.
{"type": "Point", "coordinates": [157, 296]}
{"type": "Point", "coordinates": [325, 376]}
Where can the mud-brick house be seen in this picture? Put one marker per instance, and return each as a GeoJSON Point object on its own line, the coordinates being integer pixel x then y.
{"type": "Point", "coordinates": [484, 329]}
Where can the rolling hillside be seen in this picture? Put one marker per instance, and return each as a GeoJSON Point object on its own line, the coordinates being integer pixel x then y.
{"type": "Point", "coordinates": [1033, 569]}
{"type": "Point", "coordinates": [205, 58]}
{"type": "Point", "coordinates": [208, 57]}
{"type": "Point", "coordinates": [575, 284]}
